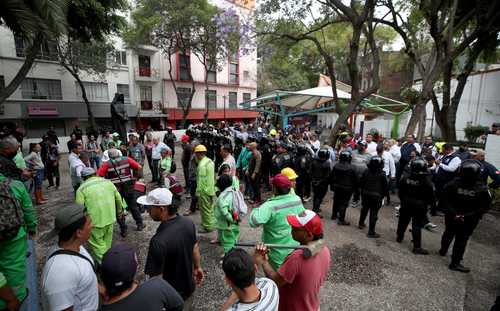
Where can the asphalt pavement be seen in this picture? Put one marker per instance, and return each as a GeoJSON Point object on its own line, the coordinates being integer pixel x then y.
{"type": "Point", "coordinates": [366, 274]}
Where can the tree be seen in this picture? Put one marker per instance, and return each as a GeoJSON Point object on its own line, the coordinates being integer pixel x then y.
{"type": "Point", "coordinates": [436, 34]}
{"type": "Point", "coordinates": [34, 21]}
{"type": "Point", "coordinates": [86, 47]}
{"type": "Point", "coordinates": [188, 27]}
{"type": "Point", "coordinates": [359, 17]}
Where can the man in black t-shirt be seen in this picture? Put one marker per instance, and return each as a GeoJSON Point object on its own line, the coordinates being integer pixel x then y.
{"type": "Point", "coordinates": [123, 293]}
{"type": "Point", "coordinates": [173, 251]}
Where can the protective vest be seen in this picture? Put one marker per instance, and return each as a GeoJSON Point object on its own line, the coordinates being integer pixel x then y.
{"type": "Point", "coordinates": [416, 191]}
{"type": "Point", "coordinates": [443, 175]}
{"type": "Point", "coordinates": [119, 171]}
{"type": "Point", "coordinates": [343, 176]}
{"type": "Point", "coordinates": [320, 172]}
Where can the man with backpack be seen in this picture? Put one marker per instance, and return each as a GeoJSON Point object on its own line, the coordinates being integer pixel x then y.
{"type": "Point", "coordinates": [17, 218]}
{"type": "Point", "coordinates": [69, 280]}
{"type": "Point", "coordinates": [119, 169]}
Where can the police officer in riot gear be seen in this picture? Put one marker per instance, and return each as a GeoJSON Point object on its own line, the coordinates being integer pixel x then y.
{"type": "Point", "coordinates": [416, 193]}
{"type": "Point", "coordinates": [281, 159]}
{"type": "Point", "coordinates": [267, 156]}
{"type": "Point", "coordinates": [343, 181]}
{"type": "Point", "coordinates": [373, 186]}
{"type": "Point", "coordinates": [464, 200]}
{"type": "Point", "coordinates": [303, 160]}
{"type": "Point", "coordinates": [320, 175]}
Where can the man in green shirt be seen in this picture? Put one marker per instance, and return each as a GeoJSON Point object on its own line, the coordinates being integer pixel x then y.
{"type": "Point", "coordinates": [103, 203]}
{"type": "Point", "coordinates": [205, 188]}
{"type": "Point", "coordinates": [272, 216]}
{"type": "Point", "coordinates": [13, 252]}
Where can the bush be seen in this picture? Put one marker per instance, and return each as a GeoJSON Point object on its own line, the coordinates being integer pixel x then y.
{"type": "Point", "coordinates": [473, 132]}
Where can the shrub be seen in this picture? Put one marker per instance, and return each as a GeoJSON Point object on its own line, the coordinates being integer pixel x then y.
{"type": "Point", "coordinates": [473, 132]}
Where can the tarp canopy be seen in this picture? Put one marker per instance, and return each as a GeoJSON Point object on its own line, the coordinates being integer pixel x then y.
{"type": "Point", "coordinates": [304, 99]}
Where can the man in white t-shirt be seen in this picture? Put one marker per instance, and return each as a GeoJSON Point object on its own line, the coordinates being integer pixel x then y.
{"type": "Point", "coordinates": [68, 278]}
{"type": "Point", "coordinates": [249, 293]}
{"type": "Point", "coordinates": [372, 146]}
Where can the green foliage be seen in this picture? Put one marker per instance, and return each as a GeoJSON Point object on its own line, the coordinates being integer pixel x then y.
{"type": "Point", "coordinates": [410, 95]}
{"type": "Point", "coordinates": [473, 132]}
{"type": "Point", "coordinates": [90, 20]}
{"type": "Point", "coordinates": [29, 17]}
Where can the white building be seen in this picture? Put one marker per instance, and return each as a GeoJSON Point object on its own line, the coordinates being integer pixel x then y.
{"type": "Point", "coordinates": [50, 96]}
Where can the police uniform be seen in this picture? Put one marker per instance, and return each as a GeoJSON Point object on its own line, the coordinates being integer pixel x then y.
{"type": "Point", "coordinates": [320, 174]}
{"type": "Point", "coordinates": [280, 161]}
{"type": "Point", "coordinates": [303, 168]}
{"type": "Point", "coordinates": [416, 192]}
{"type": "Point", "coordinates": [464, 203]}
{"type": "Point", "coordinates": [343, 182]}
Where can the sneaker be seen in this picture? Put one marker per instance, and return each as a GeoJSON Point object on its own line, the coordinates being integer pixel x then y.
{"type": "Point", "coordinates": [361, 226]}
{"type": "Point", "coordinates": [420, 251]}
{"type": "Point", "coordinates": [307, 199]}
{"type": "Point", "coordinates": [458, 267]}
{"type": "Point", "coordinates": [373, 235]}
{"type": "Point", "coordinates": [343, 223]}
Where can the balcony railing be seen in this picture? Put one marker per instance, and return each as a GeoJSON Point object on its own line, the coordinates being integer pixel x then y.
{"type": "Point", "coordinates": [147, 74]}
{"type": "Point", "coordinates": [146, 105]}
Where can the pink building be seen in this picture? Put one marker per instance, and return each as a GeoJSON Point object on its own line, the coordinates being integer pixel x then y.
{"type": "Point", "coordinates": [235, 83]}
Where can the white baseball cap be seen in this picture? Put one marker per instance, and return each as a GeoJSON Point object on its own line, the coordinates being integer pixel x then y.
{"type": "Point", "coordinates": [157, 197]}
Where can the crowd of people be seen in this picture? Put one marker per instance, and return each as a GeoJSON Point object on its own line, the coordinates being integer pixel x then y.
{"type": "Point", "coordinates": [255, 173]}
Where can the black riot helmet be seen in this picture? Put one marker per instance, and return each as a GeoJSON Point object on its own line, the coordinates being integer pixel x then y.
{"type": "Point", "coordinates": [345, 156]}
{"type": "Point", "coordinates": [301, 149]}
{"type": "Point", "coordinates": [323, 154]}
{"type": "Point", "coordinates": [418, 166]}
{"type": "Point", "coordinates": [376, 163]}
{"type": "Point", "coordinates": [469, 171]}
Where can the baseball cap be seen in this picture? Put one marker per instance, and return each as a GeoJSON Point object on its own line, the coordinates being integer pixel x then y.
{"type": "Point", "coordinates": [157, 197]}
{"type": "Point", "coordinates": [87, 171]}
{"type": "Point", "coordinates": [66, 216]}
{"type": "Point", "coordinates": [308, 220]}
{"type": "Point", "coordinates": [185, 138]}
{"type": "Point", "coordinates": [281, 181]}
{"type": "Point", "coordinates": [119, 265]}
{"type": "Point", "coordinates": [362, 143]}
{"type": "Point", "coordinates": [115, 134]}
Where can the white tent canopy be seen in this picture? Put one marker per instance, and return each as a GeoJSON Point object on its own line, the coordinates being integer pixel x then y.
{"type": "Point", "coordinates": [305, 99]}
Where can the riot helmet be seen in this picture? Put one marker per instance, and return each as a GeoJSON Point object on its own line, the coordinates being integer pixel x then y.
{"type": "Point", "coordinates": [376, 163]}
{"type": "Point", "coordinates": [345, 156]}
{"type": "Point", "coordinates": [418, 166]}
{"type": "Point", "coordinates": [323, 154]}
{"type": "Point", "coordinates": [469, 171]}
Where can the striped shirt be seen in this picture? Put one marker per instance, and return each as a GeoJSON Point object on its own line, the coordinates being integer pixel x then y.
{"type": "Point", "coordinates": [269, 298]}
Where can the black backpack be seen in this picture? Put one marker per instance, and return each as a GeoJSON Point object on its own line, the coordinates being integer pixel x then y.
{"type": "Point", "coordinates": [11, 212]}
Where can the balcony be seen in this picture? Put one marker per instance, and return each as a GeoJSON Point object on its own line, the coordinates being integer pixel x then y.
{"type": "Point", "coordinates": [147, 74]}
{"type": "Point", "coordinates": [152, 109]}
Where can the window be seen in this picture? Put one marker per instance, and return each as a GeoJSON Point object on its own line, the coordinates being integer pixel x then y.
{"type": "Point", "coordinates": [211, 72]}
{"type": "Point", "coordinates": [234, 68]}
{"type": "Point", "coordinates": [123, 89]}
{"type": "Point", "coordinates": [95, 91]}
{"type": "Point", "coordinates": [146, 96]}
{"type": "Point", "coordinates": [233, 100]}
{"type": "Point", "coordinates": [121, 57]}
{"type": "Point", "coordinates": [247, 97]}
{"type": "Point", "coordinates": [144, 66]}
{"type": "Point", "coordinates": [183, 94]}
{"type": "Point", "coordinates": [41, 89]}
{"type": "Point", "coordinates": [47, 50]}
{"type": "Point", "coordinates": [211, 99]}
{"type": "Point", "coordinates": [184, 67]}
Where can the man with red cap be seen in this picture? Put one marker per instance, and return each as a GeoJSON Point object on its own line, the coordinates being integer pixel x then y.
{"type": "Point", "coordinates": [299, 279]}
{"type": "Point", "coordinates": [272, 217]}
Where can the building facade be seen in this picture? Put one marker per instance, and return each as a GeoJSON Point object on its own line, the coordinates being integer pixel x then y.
{"type": "Point", "coordinates": [50, 96]}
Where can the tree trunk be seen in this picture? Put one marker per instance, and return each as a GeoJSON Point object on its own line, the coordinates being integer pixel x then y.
{"type": "Point", "coordinates": [23, 71]}
{"type": "Point", "coordinates": [422, 121]}
{"type": "Point", "coordinates": [93, 124]}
